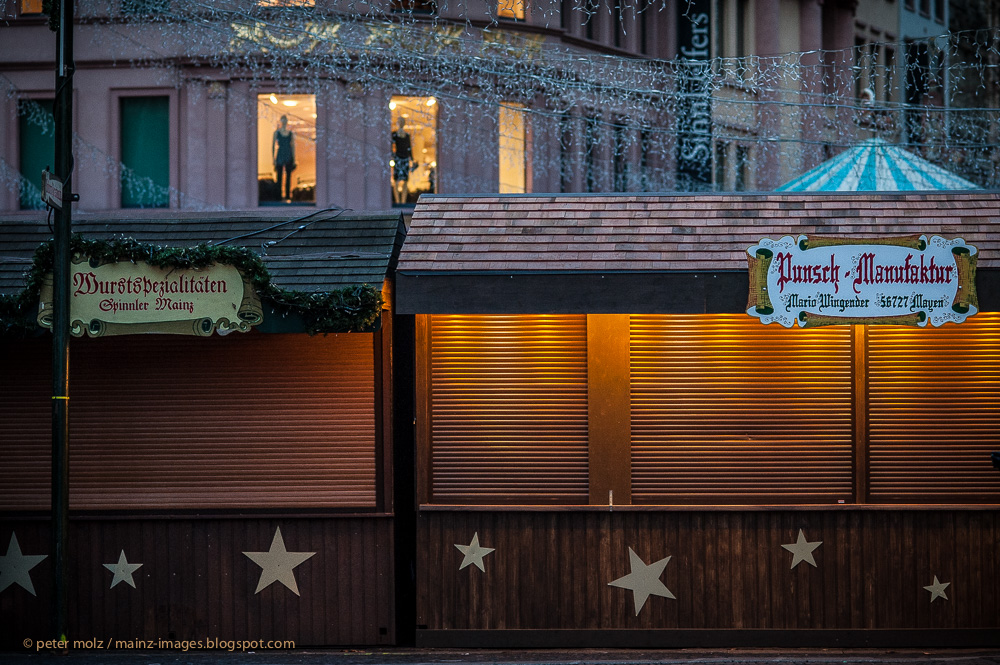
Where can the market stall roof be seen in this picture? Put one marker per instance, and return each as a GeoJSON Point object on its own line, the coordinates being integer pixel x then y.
{"type": "Point", "coordinates": [316, 252]}
{"type": "Point", "coordinates": [877, 166]}
{"type": "Point", "coordinates": [633, 253]}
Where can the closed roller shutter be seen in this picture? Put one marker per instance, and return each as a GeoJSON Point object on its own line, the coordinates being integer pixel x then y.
{"type": "Point", "coordinates": [934, 404]}
{"type": "Point", "coordinates": [509, 409]}
{"type": "Point", "coordinates": [726, 410]}
{"type": "Point", "coordinates": [157, 422]}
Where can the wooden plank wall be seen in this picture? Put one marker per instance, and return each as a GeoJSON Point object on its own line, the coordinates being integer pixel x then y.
{"type": "Point", "coordinates": [728, 570]}
{"type": "Point", "coordinates": [196, 583]}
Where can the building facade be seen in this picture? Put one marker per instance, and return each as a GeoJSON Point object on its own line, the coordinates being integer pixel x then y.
{"type": "Point", "coordinates": [314, 104]}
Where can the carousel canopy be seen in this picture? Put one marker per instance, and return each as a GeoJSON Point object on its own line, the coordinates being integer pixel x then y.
{"type": "Point", "coordinates": [876, 166]}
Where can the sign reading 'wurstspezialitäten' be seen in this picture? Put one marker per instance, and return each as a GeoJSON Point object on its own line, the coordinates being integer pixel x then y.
{"type": "Point", "coordinates": [129, 298]}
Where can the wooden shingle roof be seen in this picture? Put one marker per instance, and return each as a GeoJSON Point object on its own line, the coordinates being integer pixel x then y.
{"type": "Point", "coordinates": [632, 232]}
{"type": "Point", "coordinates": [559, 245]}
{"type": "Point", "coordinates": [317, 253]}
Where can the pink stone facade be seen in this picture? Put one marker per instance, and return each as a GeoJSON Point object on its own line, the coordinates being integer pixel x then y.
{"type": "Point", "coordinates": [213, 134]}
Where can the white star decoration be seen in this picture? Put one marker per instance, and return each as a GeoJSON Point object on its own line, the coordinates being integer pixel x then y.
{"type": "Point", "coordinates": [278, 564]}
{"type": "Point", "coordinates": [14, 566]}
{"type": "Point", "coordinates": [123, 571]}
{"type": "Point", "coordinates": [474, 553]}
{"type": "Point", "coordinates": [644, 581]}
{"type": "Point", "coordinates": [937, 589]}
{"type": "Point", "coordinates": [803, 550]}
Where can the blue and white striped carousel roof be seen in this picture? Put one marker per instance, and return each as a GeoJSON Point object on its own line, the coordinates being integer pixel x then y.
{"type": "Point", "coordinates": [876, 166]}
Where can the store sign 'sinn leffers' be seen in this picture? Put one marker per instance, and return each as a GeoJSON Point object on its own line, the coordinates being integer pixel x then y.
{"type": "Point", "coordinates": [123, 298]}
{"type": "Point", "coordinates": [825, 281]}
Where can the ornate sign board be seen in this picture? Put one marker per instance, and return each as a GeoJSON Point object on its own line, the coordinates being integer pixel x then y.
{"type": "Point", "coordinates": [128, 298]}
{"type": "Point", "coordinates": [826, 281]}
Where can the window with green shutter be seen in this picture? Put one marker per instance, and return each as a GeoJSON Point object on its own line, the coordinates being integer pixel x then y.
{"type": "Point", "coordinates": [36, 134]}
{"type": "Point", "coordinates": [145, 152]}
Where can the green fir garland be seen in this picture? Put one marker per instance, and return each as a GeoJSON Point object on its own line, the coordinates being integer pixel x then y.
{"type": "Point", "coordinates": [351, 309]}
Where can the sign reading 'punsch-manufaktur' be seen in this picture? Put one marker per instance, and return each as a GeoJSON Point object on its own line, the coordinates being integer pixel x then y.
{"type": "Point", "coordinates": [129, 298]}
{"type": "Point", "coordinates": [825, 281]}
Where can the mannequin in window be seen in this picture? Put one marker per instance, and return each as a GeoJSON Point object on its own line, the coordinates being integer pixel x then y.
{"type": "Point", "coordinates": [402, 150]}
{"type": "Point", "coordinates": [283, 154]}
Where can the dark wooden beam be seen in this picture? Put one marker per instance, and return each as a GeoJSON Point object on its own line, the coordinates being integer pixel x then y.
{"type": "Point", "coordinates": [572, 293]}
{"type": "Point", "coordinates": [715, 292]}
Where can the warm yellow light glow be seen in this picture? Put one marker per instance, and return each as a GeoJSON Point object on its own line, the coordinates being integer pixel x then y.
{"type": "Point", "coordinates": [513, 174]}
{"type": "Point", "coordinates": [511, 9]}
{"type": "Point", "coordinates": [419, 118]}
{"type": "Point", "coordinates": [300, 114]}
{"type": "Point", "coordinates": [31, 7]}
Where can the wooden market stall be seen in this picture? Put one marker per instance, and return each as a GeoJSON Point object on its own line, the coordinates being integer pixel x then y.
{"type": "Point", "coordinates": [611, 452]}
{"type": "Point", "coordinates": [222, 487]}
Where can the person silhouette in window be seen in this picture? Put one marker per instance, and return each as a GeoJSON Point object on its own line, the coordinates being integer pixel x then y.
{"type": "Point", "coordinates": [283, 154]}
{"type": "Point", "coordinates": [402, 149]}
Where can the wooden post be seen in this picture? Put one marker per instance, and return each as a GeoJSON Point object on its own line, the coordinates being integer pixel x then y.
{"type": "Point", "coordinates": [422, 419]}
{"type": "Point", "coordinates": [609, 409]}
{"type": "Point", "coordinates": [859, 343]}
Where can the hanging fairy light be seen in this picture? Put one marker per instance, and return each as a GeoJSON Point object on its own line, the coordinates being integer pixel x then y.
{"type": "Point", "coordinates": [792, 110]}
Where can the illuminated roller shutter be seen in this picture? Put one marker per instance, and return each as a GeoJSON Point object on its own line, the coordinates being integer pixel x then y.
{"type": "Point", "coordinates": [509, 409]}
{"type": "Point", "coordinates": [934, 404]}
{"type": "Point", "coordinates": [726, 410]}
{"type": "Point", "coordinates": [169, 422]}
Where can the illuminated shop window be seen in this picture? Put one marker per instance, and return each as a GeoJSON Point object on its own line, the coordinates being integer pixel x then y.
{"type": "Point", "coordinates": [513, 140]}
{"type": "Point", "coordinates": [413, 164]}
{"type": "Point", "coordinates": [513, 9]}
{"type": "Point", "coordinates": [37, 141]}
{"type": "Point", "coordinates": [145, 152]}
{"type": "Point", "coordinates": [30, 7]}
{"type": "Point", "coordinates": [286, 149]}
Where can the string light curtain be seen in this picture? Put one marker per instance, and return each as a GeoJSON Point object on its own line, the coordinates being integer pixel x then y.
{"type": "Point", "coordinates": [793, 110]}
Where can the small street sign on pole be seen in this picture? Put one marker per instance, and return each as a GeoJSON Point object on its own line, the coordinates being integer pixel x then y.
{"type": "Point", "coordinates": [52, 190]}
